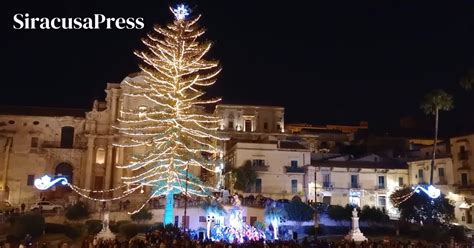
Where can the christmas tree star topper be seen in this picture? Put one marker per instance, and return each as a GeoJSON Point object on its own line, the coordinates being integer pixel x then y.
{"type": "Point", "coordinates": [181, 12]}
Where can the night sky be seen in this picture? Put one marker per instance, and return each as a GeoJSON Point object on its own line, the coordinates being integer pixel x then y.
{"type": "Point", "coordinates": [324, 61]}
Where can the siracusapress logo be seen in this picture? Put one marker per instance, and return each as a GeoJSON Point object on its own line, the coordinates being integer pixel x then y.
{"type": "Point", "coordinates": [97, 21]}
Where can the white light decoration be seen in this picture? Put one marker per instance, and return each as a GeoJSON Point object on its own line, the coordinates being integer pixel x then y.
{"type": "Point", "coordinates": [181, 12]}
{"type": "Point", "coordinates": [44, 182]}
{"type": "Point", "coordinates": [431, 191]}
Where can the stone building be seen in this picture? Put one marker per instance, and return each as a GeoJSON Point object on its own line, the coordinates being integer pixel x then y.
{"type": "Point", "coordinates": [282, 168]}
{"type": "Point", "coordinates": [368, 180]}
{"type": "Point", "coordinates": [463, 175]}
{"type": "Point", "coordinates": [37, 141]}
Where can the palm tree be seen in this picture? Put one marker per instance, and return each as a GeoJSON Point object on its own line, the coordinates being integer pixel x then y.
{"type": "Point", "coordinates": [433, 102]}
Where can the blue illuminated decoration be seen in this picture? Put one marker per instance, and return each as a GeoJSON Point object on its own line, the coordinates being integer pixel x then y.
{"type": "Point", "coordinates": [431, 191]}
{"type": "Point", "coordinates": [45, 182]}
{"type": "Point", "coordinates": [169, 207]}
{"type": "Point", "coordinates": [181, 11]}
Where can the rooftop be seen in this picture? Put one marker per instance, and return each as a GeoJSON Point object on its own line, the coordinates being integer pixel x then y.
{"type": "Point", "coordinates": [362, 164]}
{"type": "Point", "coordinates": [42, 111]}
{"type": "Point", "coordinates": [248, 106]}
{"type": "Point", "coordinates": [292, 145]}
{"type": "Point", "coordinates": [368, 161]}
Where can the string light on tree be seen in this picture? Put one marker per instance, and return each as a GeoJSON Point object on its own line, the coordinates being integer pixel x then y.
{"type": "Point", "coordinates": [173, 128]}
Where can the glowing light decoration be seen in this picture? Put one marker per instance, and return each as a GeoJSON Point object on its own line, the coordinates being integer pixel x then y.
{"type": "Point", "coordinates": [237, 230]}
{"type": "Point", "coordinates": [170, 123]}
{"type": "Point", "coordinates": [431, 191]}
{"type": "Point", "coordinates": [181, 12]}
{"type": "Point", "coordinates": [275, 215]}
{"type": "Point", "coordinates": [45, 182]}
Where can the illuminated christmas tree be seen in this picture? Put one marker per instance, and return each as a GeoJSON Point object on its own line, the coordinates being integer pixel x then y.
{"type": "Point", "coordinates": [173, 128]}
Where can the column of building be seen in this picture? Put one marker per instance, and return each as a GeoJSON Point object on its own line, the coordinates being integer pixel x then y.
{"type": "Point", "coordinates": [89, 161]}
{"type": "Point", "coordinates": [118, 171]}
{"type": "Point", "coordinates": [6, 163]}
{"type": "Point", "coordinates": [108, 166]}
{"type": "Point", "coordinates": [115, 177]}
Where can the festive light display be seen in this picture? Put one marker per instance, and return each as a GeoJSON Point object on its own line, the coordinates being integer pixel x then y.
{"type": "Point", "coordinates": [275, 215]}
{"type": "Point", "coordinates": [431, 191]}
{"type": "Point", "coordinates": [238, 230]}
{"type": "Point", "coordinates": [173, 128]}
{"type": "Point", "coordinates": [181, 11]}
{"type": "Point", "coordinates": [45, 182]}
{"type": "Point", "coordinates": [399, 200]}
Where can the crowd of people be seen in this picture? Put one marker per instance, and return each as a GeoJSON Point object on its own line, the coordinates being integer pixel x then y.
{"type": "Point", "coordinates": [168, 240]}
{"type": "Point", "coordinates": [171, 237]}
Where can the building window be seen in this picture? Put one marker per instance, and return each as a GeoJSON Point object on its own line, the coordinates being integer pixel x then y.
{"type": "Point", "coordinates": [420, 175]}
{"type": "Point", "coordinates": [244, 219]}
{"type": "Point", "coordinates": [441, 172]}
{"type": "Point", "coordinates": [100, 156]}
{"type": "Point", "coordinates": [258, 185]}
{"type": "Point", "coordinates": [248, 126]}
{"type": "Point", "coordinates": [278, 127]}
{"type": "Point", "coordinates": [202, 219]}
{"type": "Point", "coordinates": [34, 141]}
{"type": "Point", "coordinates": [327, 180]}
{"type": "Point", "coordinates": [265, 125]}
{"type": "Point", "coordinates": [230, 125]}
{"type": "Point", "coordinates": [354, 198]}
{"type": "Point", "coordinates": [67, 137]}
{"type": "Point", "coordinates": [176, 221]}
{"type": "Point", "coordinates": [99, 183]}
{"type": "Point", "coordinates": [382, 201]}
{"type": "Point", "coordinates": [142, 111]}
{"type": "Point", "coordinates": [354, 181]}
{"type": "Point", "coordinates": [258, 162]}
{"type": "Point", "coordinates": [464, 179]}
{"type": "Point", "coordinates": [294, 163]}
{"type": "Point", "coordinates": [30, 180]}
{"type": "Point", "coordinates": [400, 181]}
{"type": "Point", "coordinates": [327, 200]}
{"type": "Point", "coordinates": [36, 123]}
{"type": "Point", "coordinates": [253, 219]}
{"type": "Point", "coordinates": [381, 182]}
{"type": "Point", "coordinates": [294, 186]}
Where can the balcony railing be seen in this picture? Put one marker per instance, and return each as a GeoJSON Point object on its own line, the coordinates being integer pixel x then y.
{"type": "Point", "coordinates": [380, 186]}
{"type": "Point", "coordinates": [327, 185]}
{"type": "Point", "coordinates": [57, 144]}
{"type": "Point", "coordinates": [464, 155]}
{"type": "Point", "coordinates": [293, 169]}
{"type": "Point", "coordinates": [260, 167]}
{"type": "Point", "coordinates": [465, 185]}
{"type": "Point", "coordinates": [354, 185]}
